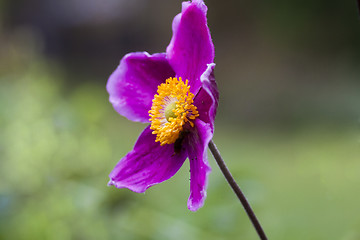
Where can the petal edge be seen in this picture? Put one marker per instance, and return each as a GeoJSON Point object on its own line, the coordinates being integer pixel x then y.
{"type": "Point", "coordinates": [207, 98]}
{"type": "Point", "coordinates": [133, 84]}
{"type": "Point", "coordinates": [199, 166]}
{"type": "Point", "coordinates": [147, 164]}
{"type": "Point", "coordinates": [191, 47]}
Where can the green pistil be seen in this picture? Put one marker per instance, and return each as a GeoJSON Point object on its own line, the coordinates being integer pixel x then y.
{"type": "Point", "coordinates": [169, 111]}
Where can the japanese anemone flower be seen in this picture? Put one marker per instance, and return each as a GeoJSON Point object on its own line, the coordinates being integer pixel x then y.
{"type": "Point", "coordinates": [176, 92]}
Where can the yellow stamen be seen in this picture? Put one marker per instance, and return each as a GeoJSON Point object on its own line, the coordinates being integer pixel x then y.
{"type": "Point", "coordinates": [172, 107]}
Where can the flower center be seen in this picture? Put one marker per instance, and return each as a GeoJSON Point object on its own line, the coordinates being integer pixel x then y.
{"type": "Point", "coordinates": [172, 107]}
{"type": "Point", "coordinates": [169, 111]}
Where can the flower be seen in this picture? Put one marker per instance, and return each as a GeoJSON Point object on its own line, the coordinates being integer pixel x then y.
{"type": "Point", "coordinates": [176, 92]}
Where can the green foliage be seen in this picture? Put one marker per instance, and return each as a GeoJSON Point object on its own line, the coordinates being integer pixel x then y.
{"type": "Point", "coordinates": [58, 145]}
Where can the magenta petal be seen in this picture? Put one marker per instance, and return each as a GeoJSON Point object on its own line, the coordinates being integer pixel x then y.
{"type": "Point", "coordinates": [191, 47]}
{"type": "Point", "coordinates": [133, 84]}
{"type": "Point", "coordinates": [207, 98]}
{"type": "Point", "coordinates": [147, 164]}
{"type": "Point", "coordinates": [199, 167]}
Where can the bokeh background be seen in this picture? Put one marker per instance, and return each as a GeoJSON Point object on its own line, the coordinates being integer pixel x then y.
{"type": "Point", "coordinates": [287, 124]}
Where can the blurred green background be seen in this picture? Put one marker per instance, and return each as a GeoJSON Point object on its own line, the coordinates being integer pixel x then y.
{"type": "Point", "coordinates": [287, 124]}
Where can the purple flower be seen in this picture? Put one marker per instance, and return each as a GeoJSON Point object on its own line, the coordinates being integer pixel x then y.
{"type": "Point", "coordinates": [176, 92]}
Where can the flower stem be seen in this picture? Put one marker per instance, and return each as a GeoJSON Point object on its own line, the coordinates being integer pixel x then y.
{"type": "Point", "coordinates": [237, 190]}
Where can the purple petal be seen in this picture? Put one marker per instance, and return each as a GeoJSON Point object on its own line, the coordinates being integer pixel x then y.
{"type": "Point", "coordinates": [199, 168]}
{"type": "Point", "coordinates": [133, 84]}
{"type": "Point", "coordinates": [147, 164]}
{"type": "Point", "coordinates": [207, 98]}
{"type": "Point", "coordinates": [191, 47]}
